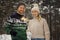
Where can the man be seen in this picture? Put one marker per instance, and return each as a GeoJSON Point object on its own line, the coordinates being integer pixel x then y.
{"type": "Point", "coordinates": [17, 23]}
{"type": "Point", "coordinates": [20, 11]}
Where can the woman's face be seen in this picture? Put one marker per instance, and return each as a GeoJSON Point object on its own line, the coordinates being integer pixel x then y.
{"type": "Point", "coordinates": [35, 13]}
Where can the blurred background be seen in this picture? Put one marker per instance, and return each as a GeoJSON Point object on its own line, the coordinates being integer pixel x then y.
{"type": "Point", "coordinates": [50, 10]}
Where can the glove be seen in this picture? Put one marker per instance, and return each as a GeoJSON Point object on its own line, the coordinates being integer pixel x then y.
{"type": "Point", "coordinates": [29, 34]}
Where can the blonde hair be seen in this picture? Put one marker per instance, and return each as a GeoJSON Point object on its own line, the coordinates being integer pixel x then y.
{"type": "Point", "coordinates": [39, 17]}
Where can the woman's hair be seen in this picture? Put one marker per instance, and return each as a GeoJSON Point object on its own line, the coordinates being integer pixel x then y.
{"type": "Point", "coordinates": [39, 17]}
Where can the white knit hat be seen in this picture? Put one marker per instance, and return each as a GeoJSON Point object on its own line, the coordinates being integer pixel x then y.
{"type": "Point", "coordinates": [35, 8]}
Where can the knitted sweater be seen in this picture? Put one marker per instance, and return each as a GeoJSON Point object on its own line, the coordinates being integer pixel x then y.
{"type": "Point", "coordinates": [39, 29]}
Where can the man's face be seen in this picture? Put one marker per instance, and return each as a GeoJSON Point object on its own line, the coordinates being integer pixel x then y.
{"type": "Point", "coordinates": [21, 9]}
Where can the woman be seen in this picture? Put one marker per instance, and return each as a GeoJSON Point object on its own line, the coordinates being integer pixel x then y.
{"type": "Point", "coordinates": [38, 26]}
